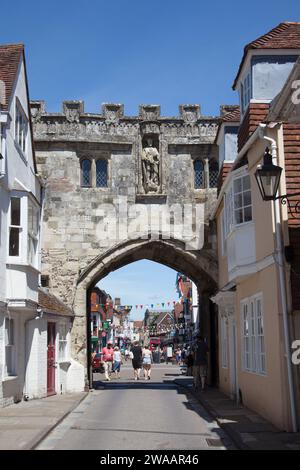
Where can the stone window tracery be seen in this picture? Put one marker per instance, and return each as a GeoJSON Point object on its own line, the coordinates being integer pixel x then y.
{"type": "Point", "coordinates": [101, 173]}
{"type": "Point", "coordinates": [86, 180]}
{"type": "Point", "coordinates": [199, 174]}
{"type": "Point", "coordinates": [213, 173]}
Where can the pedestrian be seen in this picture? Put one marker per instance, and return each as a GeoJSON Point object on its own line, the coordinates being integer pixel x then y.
{"type": "Point", "coordinates": [189, 360]}
{"type": "Point", "coordinates": [147, 361]}
{"type": "Point", "coordinates": [117, 362]}
{"type": "Point", "coordinates": [136, 356]}
{"type": "Point", "coordinates": [178, 356]}
{"type": "Point", "coordinates": [107, 357]}
{"type": "Point", "coordinates": [200, 363]}
{"type": "Point", "coordinates": [126, 354]}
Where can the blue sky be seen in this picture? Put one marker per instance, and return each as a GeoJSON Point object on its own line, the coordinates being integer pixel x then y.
{"type": "Point", "coordinates": [141, 283]}
{"type": "Point", "coordinates": [166, 52]}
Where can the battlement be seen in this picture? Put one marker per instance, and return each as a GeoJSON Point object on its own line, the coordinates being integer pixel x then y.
{"type": "Point", "coordinates": [73, 110]}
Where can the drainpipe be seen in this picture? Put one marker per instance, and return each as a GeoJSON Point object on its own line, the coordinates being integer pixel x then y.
{"type": "Point", "coordinates": [282, 283]}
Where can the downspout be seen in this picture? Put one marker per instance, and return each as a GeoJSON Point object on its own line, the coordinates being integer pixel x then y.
{"type": "Point", "coordinates": [282, 283]}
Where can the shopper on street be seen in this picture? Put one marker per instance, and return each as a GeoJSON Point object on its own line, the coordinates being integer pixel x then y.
{"type": "Point", "coordinates": [136, 356]}
{"type": "Point", "coordinates": [200, 363]}
{"type": "Point", "coordinates": [147, 361]}
{"type": "Point", "coordinates": [107, 357]}
{"type": "Point", "coordinates": [117, 362]}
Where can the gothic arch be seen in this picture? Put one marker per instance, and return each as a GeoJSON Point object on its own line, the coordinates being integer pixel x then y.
{"type": "Point", "coordinates": [200, 266]}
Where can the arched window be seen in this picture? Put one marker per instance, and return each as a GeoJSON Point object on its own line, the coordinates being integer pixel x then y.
{"type": "Point", "coordinates": [213, 173]}
{"type": "Point", "coordinates": [85, 179]}
{"type": "Point", "coordinates": [199, 177]}
{"type": "Point", "coordinates": [101, 174]}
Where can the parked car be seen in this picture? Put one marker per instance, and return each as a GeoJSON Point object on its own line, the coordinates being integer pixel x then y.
{"type": "Point", "coordinates": [97, 363]}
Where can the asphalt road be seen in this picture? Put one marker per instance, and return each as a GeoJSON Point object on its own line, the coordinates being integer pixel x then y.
{"type": "Point", "coordinates": [124, 414]}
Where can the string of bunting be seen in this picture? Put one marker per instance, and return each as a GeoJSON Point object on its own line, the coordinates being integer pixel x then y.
{"type": "Point", "coordinates": [140, 306]}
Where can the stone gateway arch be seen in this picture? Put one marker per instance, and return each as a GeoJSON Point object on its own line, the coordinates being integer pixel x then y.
{"type": "Point", "coordinates": [118, 189]}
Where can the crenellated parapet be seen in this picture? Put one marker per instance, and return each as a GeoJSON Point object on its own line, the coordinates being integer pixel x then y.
{"type": "Point", "coordinates": [74, 124]}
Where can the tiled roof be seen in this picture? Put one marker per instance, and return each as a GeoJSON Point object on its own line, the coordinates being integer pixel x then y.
{"type": "Point", "coordinates": [51, 304]}
{"type": "Point", "coordinates": [10, 55]}
{"type": "Point", "coordinates": [233, 116]}
{"type": "Point", "coordinates": [286, 35]}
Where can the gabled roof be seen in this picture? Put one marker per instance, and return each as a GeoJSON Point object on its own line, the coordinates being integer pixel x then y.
{"type": "Point", "coordinates": [286, 35]}
{"type": "Point", "coordinates": [10, 56]}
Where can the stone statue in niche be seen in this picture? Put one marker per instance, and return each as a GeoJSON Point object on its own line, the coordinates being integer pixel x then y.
{"type": "Point", "coordinates": [150, 167]}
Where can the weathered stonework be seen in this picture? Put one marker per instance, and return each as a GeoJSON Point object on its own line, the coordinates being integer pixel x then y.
{"type": "Point", "coordinates": [74, 254]}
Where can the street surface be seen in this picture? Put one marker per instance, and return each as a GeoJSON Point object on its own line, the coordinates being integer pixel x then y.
{"type": "Point", "coordinates": [128, 415]}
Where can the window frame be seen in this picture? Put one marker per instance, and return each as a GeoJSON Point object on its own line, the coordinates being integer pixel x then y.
{"type": "Point", "coordinates": [63, 331]}
{"type": "Point", "coordinates": [21, 118]}
{"type": "Point", "coordinates": [11, 345]}
{"type": "Point", "coordinates": [195, 161]}
{"type": "Point", "coordinates": [105, 160]}
{"type": "Point", "coordinates": [13, 226]}
{"type": "Point", "coordinates": [33, 235]}
{"type": "Point", "coordinates": [224, 343]}
{"type": "Point", "coordinates": [253, 355]}
{"type": "Point", "coordinates": [230, 208]}
{"type": "Point", "coordinates": [82, 160]}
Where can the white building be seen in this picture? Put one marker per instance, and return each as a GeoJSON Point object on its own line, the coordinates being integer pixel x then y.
{"type": "Point", "coordinates": [24, 338]}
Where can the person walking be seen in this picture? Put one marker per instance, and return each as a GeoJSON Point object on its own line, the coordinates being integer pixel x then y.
{"type": "Point", "coordinates": [126, 354]}
{"type": "Point", "coordinates": [200, 363]}
{"type": "Point", "coordinates": [189, 360]}
{"type": "Point", "coordinates": [147, 361]}
{"type": "Point", "coordinates": [137, 355]}
{"type": "Point", "coordinates": [107, 357]}
{"type": "Point", "coordinates": [117, 362]}
{"type": "Point", "coordinates": [178, 356]}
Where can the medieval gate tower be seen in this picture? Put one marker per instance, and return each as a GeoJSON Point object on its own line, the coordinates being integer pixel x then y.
{"type": "Point", "coordinates": [102, 171]}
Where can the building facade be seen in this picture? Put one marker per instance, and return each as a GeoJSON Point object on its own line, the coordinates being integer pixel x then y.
{"type": "Point", "coordinates": [258, 281]}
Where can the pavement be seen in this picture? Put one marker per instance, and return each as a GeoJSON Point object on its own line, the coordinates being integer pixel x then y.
{"type": "Point", "coordinates": [23, 425]}
{"type": "Point", "coordinates": [137, 415]}
{"type": "Point", "coordinates": [247, 429]}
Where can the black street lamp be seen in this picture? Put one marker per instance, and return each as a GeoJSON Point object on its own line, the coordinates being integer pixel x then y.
{"type": "Point", "coordinates": [268, 179]}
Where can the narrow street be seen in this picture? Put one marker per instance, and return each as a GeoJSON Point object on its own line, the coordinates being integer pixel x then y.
{"type": "Point", "coordinates": [130, 415]}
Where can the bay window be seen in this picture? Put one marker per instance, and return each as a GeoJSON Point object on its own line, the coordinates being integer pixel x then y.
{"type": "Point", "coordinates": [9, 346]}
{"type": "Point", "coordinates": [21, 127]}
{"type": "Point", "coordinates": [33, 231]}
{"type": "Point", "coordinates": [15, 227]}
{"type": "Point", "coordinates": [238, 203]}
